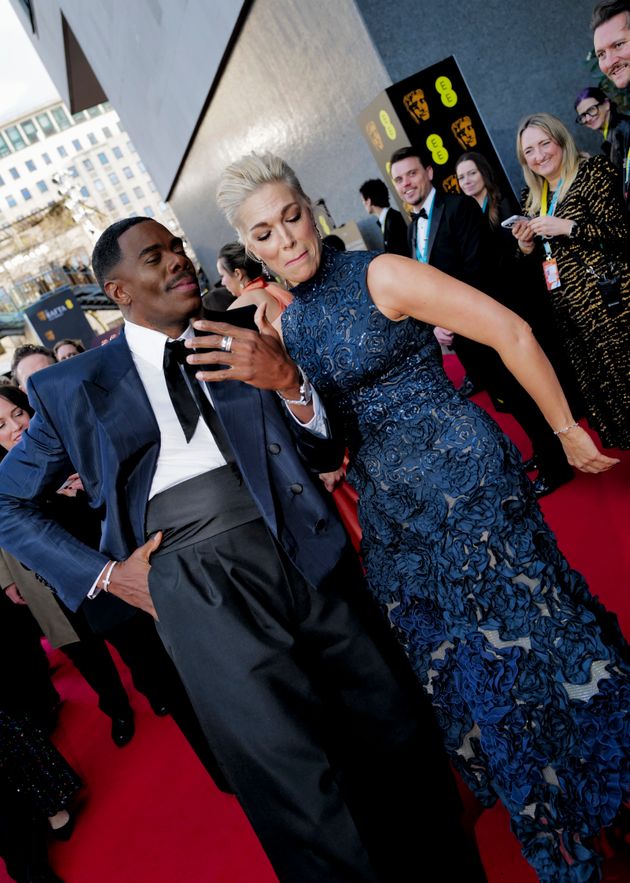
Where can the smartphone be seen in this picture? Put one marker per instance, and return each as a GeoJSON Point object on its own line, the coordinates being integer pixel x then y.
{"type": "Point", "coordinates": [242, 317]}
{"type": "Point", "coordinates": [514, 219]}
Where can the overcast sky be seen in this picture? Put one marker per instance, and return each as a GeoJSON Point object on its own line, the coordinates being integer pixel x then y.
{"type": "Point", "coordinates": [24, 83]}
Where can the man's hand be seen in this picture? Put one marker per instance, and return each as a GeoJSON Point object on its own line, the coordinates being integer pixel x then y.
{"type": "Point", "coordinates": [13, 594]}
{"type": "Point", "coordinates": [259, 359]}
{"type": "Point", "coordinates": [333, 480]}
{"type": "Point", "coordinates": [130, 578]}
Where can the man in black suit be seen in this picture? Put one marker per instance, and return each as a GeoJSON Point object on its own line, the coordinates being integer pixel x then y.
{"type": "Point", "coordinates": [250, 573]}
{"type": "Point", "coordinates": [375, 196]}
{"type": "Point", "coordinates": [447, 232]}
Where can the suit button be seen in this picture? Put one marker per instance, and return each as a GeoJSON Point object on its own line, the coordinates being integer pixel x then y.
{"type": "Point", "coordinates": [274, 448]}
{"type": "Point", "coordinates": [296, 488]}
{"type": "Point", "coordinates": [320, 525]}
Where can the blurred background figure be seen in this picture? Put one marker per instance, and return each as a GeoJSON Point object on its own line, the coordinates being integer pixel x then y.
{"type": "Point", "coordinates": [579, 233]}
{"type": "Point", "coordinates": [66, 349]}
{"type": "Point", "coordinates": [37, 785]}
{"type": "Point", "coordinates": [375, 196]}
{"type": "Point", "coordinates": [598, 112]}
{"type": "Point", "coordinates": [334, 241]}
{"type": "Point", "coordinates": [243, 276]}
{"type": "Point", "coordinates": [237, 270]}
{"type": "Point", "coordinates": [521, 291]}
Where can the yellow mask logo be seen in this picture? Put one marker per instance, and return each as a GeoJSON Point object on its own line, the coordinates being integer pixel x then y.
{"type": "Point", "coordinates": [463, 130]}
{"type": "Point", "coordinates": [374, 135]}
{"type": "Point", "coordinates": [451, 184]}
{"type": "Point", "coordinates": [416, 105]}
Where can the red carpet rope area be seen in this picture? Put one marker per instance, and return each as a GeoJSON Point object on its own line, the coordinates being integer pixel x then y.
{"type": "Point", "coordinates": [149, 813]}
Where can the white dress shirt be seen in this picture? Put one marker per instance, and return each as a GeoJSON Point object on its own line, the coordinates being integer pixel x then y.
{"type": "Point", "coordinates": [382, 216]}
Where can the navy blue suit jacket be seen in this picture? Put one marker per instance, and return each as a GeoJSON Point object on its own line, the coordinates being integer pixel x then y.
{"type": "Point", "coordinates": [92, 416]}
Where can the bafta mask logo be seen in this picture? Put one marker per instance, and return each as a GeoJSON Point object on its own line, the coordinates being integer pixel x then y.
{"type": "Point", "coordinates": [417, 105]}
{"type": "Point", "coordinates": [374, 135]}
{"type": "Point", "coordinates": [451, 185]}
{"type": "Point", "coordinates": [49, 335]}
{"type": "Point", "coordinates": [41, 315]}
{"type": "Point", "coordinates": [463, 130]}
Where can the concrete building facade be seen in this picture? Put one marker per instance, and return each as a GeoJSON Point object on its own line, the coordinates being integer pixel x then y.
{"type": "Point", "coordinates": [196, 84]}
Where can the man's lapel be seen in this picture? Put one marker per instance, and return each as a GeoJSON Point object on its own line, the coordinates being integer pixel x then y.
{"type": "Point", "coordinates": [240, 409]}
{"type": "Point", "coordinates": [436, 218]}
{"type": "Point", "coordinates": [124, 414]}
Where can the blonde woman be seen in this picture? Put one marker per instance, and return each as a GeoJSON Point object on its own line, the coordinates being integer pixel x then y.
{"type": "Point", "coordinates": [580, 235]}
{"type": "Point", "coordinates": [525, 676]}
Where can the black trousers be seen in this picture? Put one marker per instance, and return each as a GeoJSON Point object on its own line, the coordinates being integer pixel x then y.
{"type": "Point", "coordinates": [332, 752]}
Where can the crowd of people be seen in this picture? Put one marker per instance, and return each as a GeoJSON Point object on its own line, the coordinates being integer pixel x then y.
{"type": "Point", "coordinates": [168, 493]}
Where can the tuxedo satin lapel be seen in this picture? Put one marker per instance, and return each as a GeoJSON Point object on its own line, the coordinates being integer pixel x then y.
{"type": "Point", "coordinates": [436, 219]}
{"type": "Point", "coordinates": [123, 413]}
{"type": "Point", "coordinates": [240, 409]}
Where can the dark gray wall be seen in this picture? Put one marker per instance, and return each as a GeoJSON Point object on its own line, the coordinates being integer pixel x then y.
{"type": "Point", "coordinates": [518, 56]}
{"type": "Point", "coordinates": [298, 76]}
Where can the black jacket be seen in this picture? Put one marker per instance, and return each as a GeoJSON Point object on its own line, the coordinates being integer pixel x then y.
{"type": "Point", "coordinates": [395, 240]}
{"type": "Point", "coordinates": [457, 239]}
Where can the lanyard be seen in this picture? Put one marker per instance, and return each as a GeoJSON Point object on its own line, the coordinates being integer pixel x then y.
{"type": "Point", "coordinates": [423, 256]}
{"type": "Point", "coordinates": [626, 177]}
{"type": "Point", "coordinates": [606, 127]}
{"type": "Point", "coordinates": [552, 208]}
{"type": "Point", "coordinates": [484, 207]}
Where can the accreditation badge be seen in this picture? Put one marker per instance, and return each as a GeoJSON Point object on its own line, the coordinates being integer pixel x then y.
{"type": "Point", "coordinates": [552, 276]}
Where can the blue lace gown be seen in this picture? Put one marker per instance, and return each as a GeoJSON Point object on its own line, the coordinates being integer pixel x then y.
{"type": "Point", "coordinates": [528, 674]}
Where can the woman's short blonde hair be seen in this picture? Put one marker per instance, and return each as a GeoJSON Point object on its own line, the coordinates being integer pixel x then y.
{"type": "Point", "coordinates": [243, 177]}
{"type": "Point", "coordinates": [571, 157]}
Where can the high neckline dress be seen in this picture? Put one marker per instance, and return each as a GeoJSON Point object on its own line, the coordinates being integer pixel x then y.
{"type": "Point", "coordinates": [528, 674]}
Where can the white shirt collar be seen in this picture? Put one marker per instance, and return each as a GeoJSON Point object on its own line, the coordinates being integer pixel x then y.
{"type": "Point", "coordinates": [427, 205]}
{"type": "Point", "coordinates": [383, 215]}
{"type": "Point", "coordinates": [148, 344]}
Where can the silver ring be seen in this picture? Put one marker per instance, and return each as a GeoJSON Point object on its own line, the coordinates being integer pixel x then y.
{"type": "Point", "coordinates": [226, 344]}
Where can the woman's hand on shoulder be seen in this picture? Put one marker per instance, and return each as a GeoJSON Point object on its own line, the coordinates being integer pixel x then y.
{"type": "Point", "coordinates": [582, 452]}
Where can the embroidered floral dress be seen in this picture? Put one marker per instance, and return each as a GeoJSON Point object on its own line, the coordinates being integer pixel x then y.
{"type": "Point", "coordinates": [525, 669]}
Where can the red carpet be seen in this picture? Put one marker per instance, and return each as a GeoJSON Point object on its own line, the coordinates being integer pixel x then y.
{"type": "Point", "coordinates": [150, 814]}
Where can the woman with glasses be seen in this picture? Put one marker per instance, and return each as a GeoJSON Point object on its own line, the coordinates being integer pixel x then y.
{"type": "Point", "coordinates": [598, 112]}
{"type": "Point", "coordinates": [580, 235]}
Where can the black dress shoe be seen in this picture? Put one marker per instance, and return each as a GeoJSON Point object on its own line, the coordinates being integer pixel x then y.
{"type": "Point", "coordinates": [468, 388]}
{"type": "Point", "coordinates": [531, 464]}
{"type": "Point", "coordinates": [65, 831]}
{"type": "Point", "coordinates": [123, 729]}
{"type": "Point", "coordinates": [547, 484]}
{"type": "Point", "coordinates": [158, 706]}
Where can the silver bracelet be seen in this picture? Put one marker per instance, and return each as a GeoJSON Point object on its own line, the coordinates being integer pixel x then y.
{"type": "Point", "coordinates": [565, 429]}
{"type": "Point", "coordinates": [108, 576]}
{"type": "Point", "coordinates": [306, 391]}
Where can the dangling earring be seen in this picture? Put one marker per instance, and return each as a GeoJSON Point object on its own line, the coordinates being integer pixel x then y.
{"type": "Point", "coordinates": [266, 271]}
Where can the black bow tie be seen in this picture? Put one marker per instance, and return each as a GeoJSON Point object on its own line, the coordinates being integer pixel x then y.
{"type": "Point", "coordinates": [421, 214]}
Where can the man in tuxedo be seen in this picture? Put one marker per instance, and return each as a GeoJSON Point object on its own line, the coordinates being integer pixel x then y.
{"type": "Point", "coordinates": [610, 24]}
{"type": "Point", "coordinates": [375, 196]}
{"type": "Point", "coordinates": [214, 524]}
{"type": "Point", "coordinates": [447, 232]}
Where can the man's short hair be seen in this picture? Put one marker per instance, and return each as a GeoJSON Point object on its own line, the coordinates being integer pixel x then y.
{"type": "Point", "coordinates": [607, 9]}
{"type": "Point", "coordinates": [26, 350]}
{"type": "Point", "coordinates": [107, 253]}
{"type": "Point", "coordinates": [406, 153]}
{"type": "Point", "coordinates": [376, 191]}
